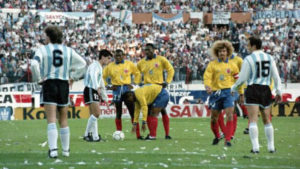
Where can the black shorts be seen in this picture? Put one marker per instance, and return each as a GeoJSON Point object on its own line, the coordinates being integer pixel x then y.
{"type": "Point", "coordinates": [55, 92]}
{"type": "Point", "coordinates": [258, 95]}
{"type": "Point", "coordinates": [90, 95]}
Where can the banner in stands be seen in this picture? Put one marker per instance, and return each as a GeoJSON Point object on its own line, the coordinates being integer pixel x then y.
{"type": "Point", "coordinates": [221, 17]}
{"type": "Point", "coordinates": [196, 15]}
{"type": "Point", "coordinates": [20, 87]}
{"type": "Point", "coordinates": [176, 19]}
{"type": "Point", "coordinates": [125, 16]}
{"type": "Point", "coordinates": [15, 99]}
{"type": "Point", "coordinates": [87, 17]}
{"type": "Point", "coordinates": [277, 14]}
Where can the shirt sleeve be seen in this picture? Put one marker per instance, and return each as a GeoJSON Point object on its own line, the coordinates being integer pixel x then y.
{"type": "Point", "coordinates": [35, 70]}
{"type": "Point", "coordinates": [235, 75]}
{"type": "Point", "coordinates": [35, 66]}
{"type": "Point", "coordinates": [170, 70]}
{"type": "Point", "coordinates": [143, 106]}
{"type": "Point", "coordinates": [103, 93]}
{"type": "Point", "coordinates": [78, 66]}
{"type": "Point", "coordinates": [276, 78]}
{"type": "Point", "coordinates": [136, 73]}
{"type": "Point", "coordinates": [137, 110]}
{"type": "Point", "coordinates": [243, 75]}
{"type": "Point", "coordinates": [105, 74]}
{"type": "Point", "coordinates": [208, 76]}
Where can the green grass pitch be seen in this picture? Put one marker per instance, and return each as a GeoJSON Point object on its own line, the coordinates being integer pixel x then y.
{"type": "Point", "coordinates": [22, 145]}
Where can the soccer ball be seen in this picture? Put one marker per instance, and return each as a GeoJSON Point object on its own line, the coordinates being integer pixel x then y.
{"type": "Point", "coordinates": [118, 135]}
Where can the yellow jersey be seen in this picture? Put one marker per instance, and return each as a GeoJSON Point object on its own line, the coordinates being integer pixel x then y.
{"type": "Point", "coordinates": [220, 75]}
{"type": "Point", "coordinates": [238, 61]}
{"type": "Point", "coordinates": [120, 74]}
{"type": "Point", "coordinates": [144, 97]}
{"type": "Point", "coordinates": [153, 70]}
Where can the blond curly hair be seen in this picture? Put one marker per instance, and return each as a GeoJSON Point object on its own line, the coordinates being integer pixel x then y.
{"type": "Point", "coordinates": [221, 44]}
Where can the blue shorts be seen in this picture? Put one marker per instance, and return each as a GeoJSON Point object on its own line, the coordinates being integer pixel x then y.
{"type": "Point", "coordinates": [119, 92]}
{"type": "Point", "coordinates": [236, 96]}
{"type": "Point", "coordinates": [221, 99]}
{"type": "Point", "coordinates": [162, 99]}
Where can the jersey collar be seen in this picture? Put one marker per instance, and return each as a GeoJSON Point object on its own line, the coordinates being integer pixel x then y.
{"type": "Point", "coordinates": [119, 62]}
{"type": "Point", "coordinates": [226, 61]}
{"type": "Point", "coordinates": [154, 56]}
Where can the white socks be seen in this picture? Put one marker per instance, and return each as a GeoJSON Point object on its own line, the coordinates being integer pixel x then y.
{"type": "Point", "coordinates": [92, 126]}
{"type": "Point", "coordinates": [253, 133]}
{"type": "Point", "coordinates": [65, 138]}
{"type": "Point", "coordinates": [95, 130]}
{"type": "Point", "coordinates": [269, 131]}
{"type": "Point", "coordinates": [52, 136]}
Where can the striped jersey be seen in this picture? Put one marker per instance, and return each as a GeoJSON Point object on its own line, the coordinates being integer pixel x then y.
{"type": "Point", "coordinates": [56, 61]}
{"type": "Point", "coordinates": [93, 76]}
{"type": "Point", "coordinates": [259, 68]}
{"type": "Point", "coordinates": [94, 79]}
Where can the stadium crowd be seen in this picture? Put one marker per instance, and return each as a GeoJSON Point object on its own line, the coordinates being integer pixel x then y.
{"type": "Point", "coordinates": [164, 6]}
{"type": "Point", "coordinates": [186, 45]}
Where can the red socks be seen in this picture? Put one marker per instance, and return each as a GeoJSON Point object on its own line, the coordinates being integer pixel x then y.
{"type": "Point", "coordinates": [166, 122]}
{"type": "Point", "coordinates": [221, 122]}
{"type": "Point", "coordinates": [152, 125]}
{"type": "Point", "coordinates": [118, 124]}
{"type": "Point", "coordinates": [229, 130]}
{"type": "Point", "coordinates": [234, 124]}
{"type": "Point", "coordinates": [138, 134]}
{"type": "Point", "coordinates": [215, 129]}
{"type": "Point", "coordinates": [244, 109]}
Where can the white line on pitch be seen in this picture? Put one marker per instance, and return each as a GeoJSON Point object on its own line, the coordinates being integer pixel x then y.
{"type": "Point", "coordinates": [141, 164]}
{"type": "Point", "coordinates": [172, 153]}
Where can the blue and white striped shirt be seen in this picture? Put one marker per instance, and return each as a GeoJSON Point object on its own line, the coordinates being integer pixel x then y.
{"type": "Point", "coordinates": [93, 79]}
{"type": "Point", "coordinates": [56, 61]}
{"type": "Point", "coordinates": [259, 68]}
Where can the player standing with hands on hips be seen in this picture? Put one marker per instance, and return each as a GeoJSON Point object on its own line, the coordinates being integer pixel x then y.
{"type": "Point", "coordinates": [53, 66]}
{"type": "Point", "coordinates": [218, 79]}
{"type": "Point", "coordinates": [258, 70]}
{"type": "Point", "coordinates": [94, 91]}
{"type": "Point", "coordinates": [120, 72]}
